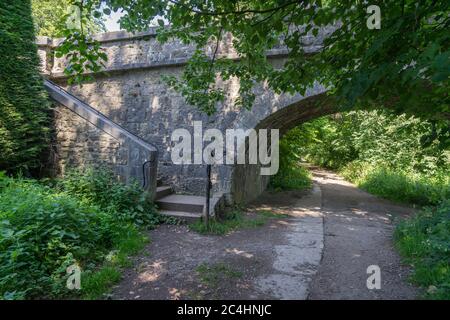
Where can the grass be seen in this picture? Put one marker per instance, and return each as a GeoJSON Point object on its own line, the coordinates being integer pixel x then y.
{"type": "Point", "coordinates": [97, 284]}
{"type": "Point", "coordinates": [212, 275]}
{"type": "Point", "coordinates": [398, 186]}
{"type": "Point", "coordinates": [232, 220]}
{"type": "Point", "coordinates": [424, 242]}
{"type": "Point", "coordinates": [293, 177]}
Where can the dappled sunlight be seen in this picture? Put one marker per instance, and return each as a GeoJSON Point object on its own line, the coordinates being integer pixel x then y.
{"type": "Point", "coordinates": [309, 212]}
{"type": "Point", "coordinates": [153, 272]}
{"type": "Point", "coordinates": [240, 253]}
{"type": "Point", "coordinates": [284, 223]}
{"type": "Point", "coordinates": [243, 285]}
{"type": "Point", "coordinates": [359, 212]}
{"type": "Point", "coordinates": [275, 210]}
{"type": "Point", "coordinates": [175, 294]}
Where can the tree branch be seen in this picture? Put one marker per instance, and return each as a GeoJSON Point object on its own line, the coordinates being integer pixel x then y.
{"type": "Point", "coordinates": [212, 13]}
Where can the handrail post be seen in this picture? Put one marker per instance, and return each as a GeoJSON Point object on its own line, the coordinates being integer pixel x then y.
{"type": "Point", "coordinates": [208, 188]}
{"type": "Point", "coordinates": [208, 193]}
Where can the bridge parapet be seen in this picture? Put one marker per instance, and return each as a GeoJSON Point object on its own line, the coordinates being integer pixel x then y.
{"type": "Point", "coordinates": [128, 51]}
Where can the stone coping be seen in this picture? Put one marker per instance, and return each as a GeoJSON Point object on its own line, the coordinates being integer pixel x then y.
{"type": "Point", "coordinates": [102, 37]}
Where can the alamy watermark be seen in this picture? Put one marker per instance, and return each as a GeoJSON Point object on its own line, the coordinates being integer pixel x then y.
{"type": "Point", "coordinates": [74, 279]}
{"type": "Point", "coordinates": [239, 146]}
{"type": "Point", "coordinates": [374, 20]}
{"type": "Point", "coordinates": [374, 280]}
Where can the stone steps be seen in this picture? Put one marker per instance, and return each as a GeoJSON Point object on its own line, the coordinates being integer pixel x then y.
{"type": "Point", "coordinates": [186, 207]}
{"type": "Point", "coordinates": [163, 191]}
{"type": "Point", "coordinates": [186, 216]}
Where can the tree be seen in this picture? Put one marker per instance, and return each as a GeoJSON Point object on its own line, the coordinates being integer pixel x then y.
{"type": "Point", "coordinates": [404, 65]}
{"type": "Point", "coordinates": [23, 102]}
{"type": "Point", "coordinates": [50, 18]}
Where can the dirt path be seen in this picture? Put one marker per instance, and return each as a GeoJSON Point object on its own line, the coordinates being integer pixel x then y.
{"type": "Point", "coordinates": [320, 251]}
{"type": "Point", "coordinates": [358, 233]}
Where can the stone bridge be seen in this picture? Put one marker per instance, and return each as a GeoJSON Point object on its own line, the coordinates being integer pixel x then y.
{"type": "Point", "coordinates": [132, 94]}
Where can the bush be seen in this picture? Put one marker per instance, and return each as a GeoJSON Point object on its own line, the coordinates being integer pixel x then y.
{"type": "Point", "coordinates": [413, 188]}
{"type": "Point", "coordinates": [424, 241]}
{"type": "Point", "coordinates": [291, 178]}
{"type": "Point", "coordinates": [398, 142]}
{"type": "Point", "coordinates": [127, 203]}
{"type": "Point", "coordinates": [291, 175]}
{"type": "Point", "coordinates": [45, 229]}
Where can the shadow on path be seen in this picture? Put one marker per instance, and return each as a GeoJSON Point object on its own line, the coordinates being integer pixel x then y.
{"type": "Point", "coordinates": [358, 233]}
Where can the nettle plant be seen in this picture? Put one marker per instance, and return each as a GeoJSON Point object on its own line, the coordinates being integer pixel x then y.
{"type": "Point", "coordinates": [403, 65]}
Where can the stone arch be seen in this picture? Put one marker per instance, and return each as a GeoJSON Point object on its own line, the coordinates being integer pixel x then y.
{"type": "Point", "coordinates": [246, 181]}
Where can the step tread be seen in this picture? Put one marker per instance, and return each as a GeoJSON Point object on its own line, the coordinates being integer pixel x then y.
{"type": "Point", "coordinates": [180, 214]}
{"type": "Point", "coordinates": [163, 191]}
{"type": "Point", "coordinates": [183, 199]}
{"type": "Point", "coordinates": [163, 188]}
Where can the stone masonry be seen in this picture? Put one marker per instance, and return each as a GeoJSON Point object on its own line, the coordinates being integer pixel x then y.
{"type": "Point", "coordinates": [131, 93]}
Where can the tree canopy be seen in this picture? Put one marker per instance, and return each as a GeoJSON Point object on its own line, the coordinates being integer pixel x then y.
{"type": "Point", "coordinates": [403, 65]}
{"type": "Point", "coordinates": [50, 17]}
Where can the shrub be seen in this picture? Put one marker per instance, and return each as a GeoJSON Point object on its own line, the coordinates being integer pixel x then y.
{"type": "Point", "coordinates": [424, 241]}
{"type": "Point", "coordinates": [399, 142]}
{"type": "Point", "coordinates": [41, 233]}
{"type": "Point", "coordinates": [127, 203]}
{"type": "Point", "coordinates": [415, 188]}
{"type": "Point", "coordinates": [44, 229]}
{"type": "Point", "coordinates": [291, 178]}
{"type": "Point", "coordinates": [290, 175]}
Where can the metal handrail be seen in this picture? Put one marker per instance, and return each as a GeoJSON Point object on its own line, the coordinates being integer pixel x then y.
{"type": "Point", "coordinates": [136, 139]}
{"type": "Point", "coordinates": [53, 85]}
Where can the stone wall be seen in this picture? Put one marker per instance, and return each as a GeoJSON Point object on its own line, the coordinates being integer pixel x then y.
{"type": "Point", "coordinates": [132, 94]}
{"type": "Point", "coordinates": [84, 138]}
{"type": "Point", "coordinates": [81, 144]}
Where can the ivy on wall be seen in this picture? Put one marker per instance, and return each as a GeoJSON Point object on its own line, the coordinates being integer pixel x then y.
{"type": "Point", "coordinates": [24, 116]}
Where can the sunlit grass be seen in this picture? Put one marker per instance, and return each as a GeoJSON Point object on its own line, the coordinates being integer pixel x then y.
{"type": "Point", "coordinates": [424, 242]}
{"type": "Point", "coordinates": [232, 220]}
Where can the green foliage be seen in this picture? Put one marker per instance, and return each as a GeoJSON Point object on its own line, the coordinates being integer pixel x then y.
{"type": "Point", "coordinates": [50, 17]}
{"type": "Point", "coordinates": [232, 220]}
{"type": "Point", "coordinates": [24, 108]}
{"type": "Point", "coordinates": [403, 66]}
{"type": "Point", "coordinates": [400, 142]}
{"type": "Point", "coordinates": [401, 158]}
{"type": "Point", "coordinates": [62, 18]}
{"type": "Point", "coordinates": [419, 189]}
{"type": "Point", "coordinates": [45, 229]}
{"type": "Point", "coordinates": [84, 55]}
{"type": "Point", "coordinates": [291, 175]}
{"type": "Point", "coordinates": [126, 202]}
{"type": "Point", "coordinates": [424, 242]}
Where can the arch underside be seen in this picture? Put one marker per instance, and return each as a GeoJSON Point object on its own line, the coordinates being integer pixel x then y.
{"type": "Point", "coordinates": [247, 183]}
